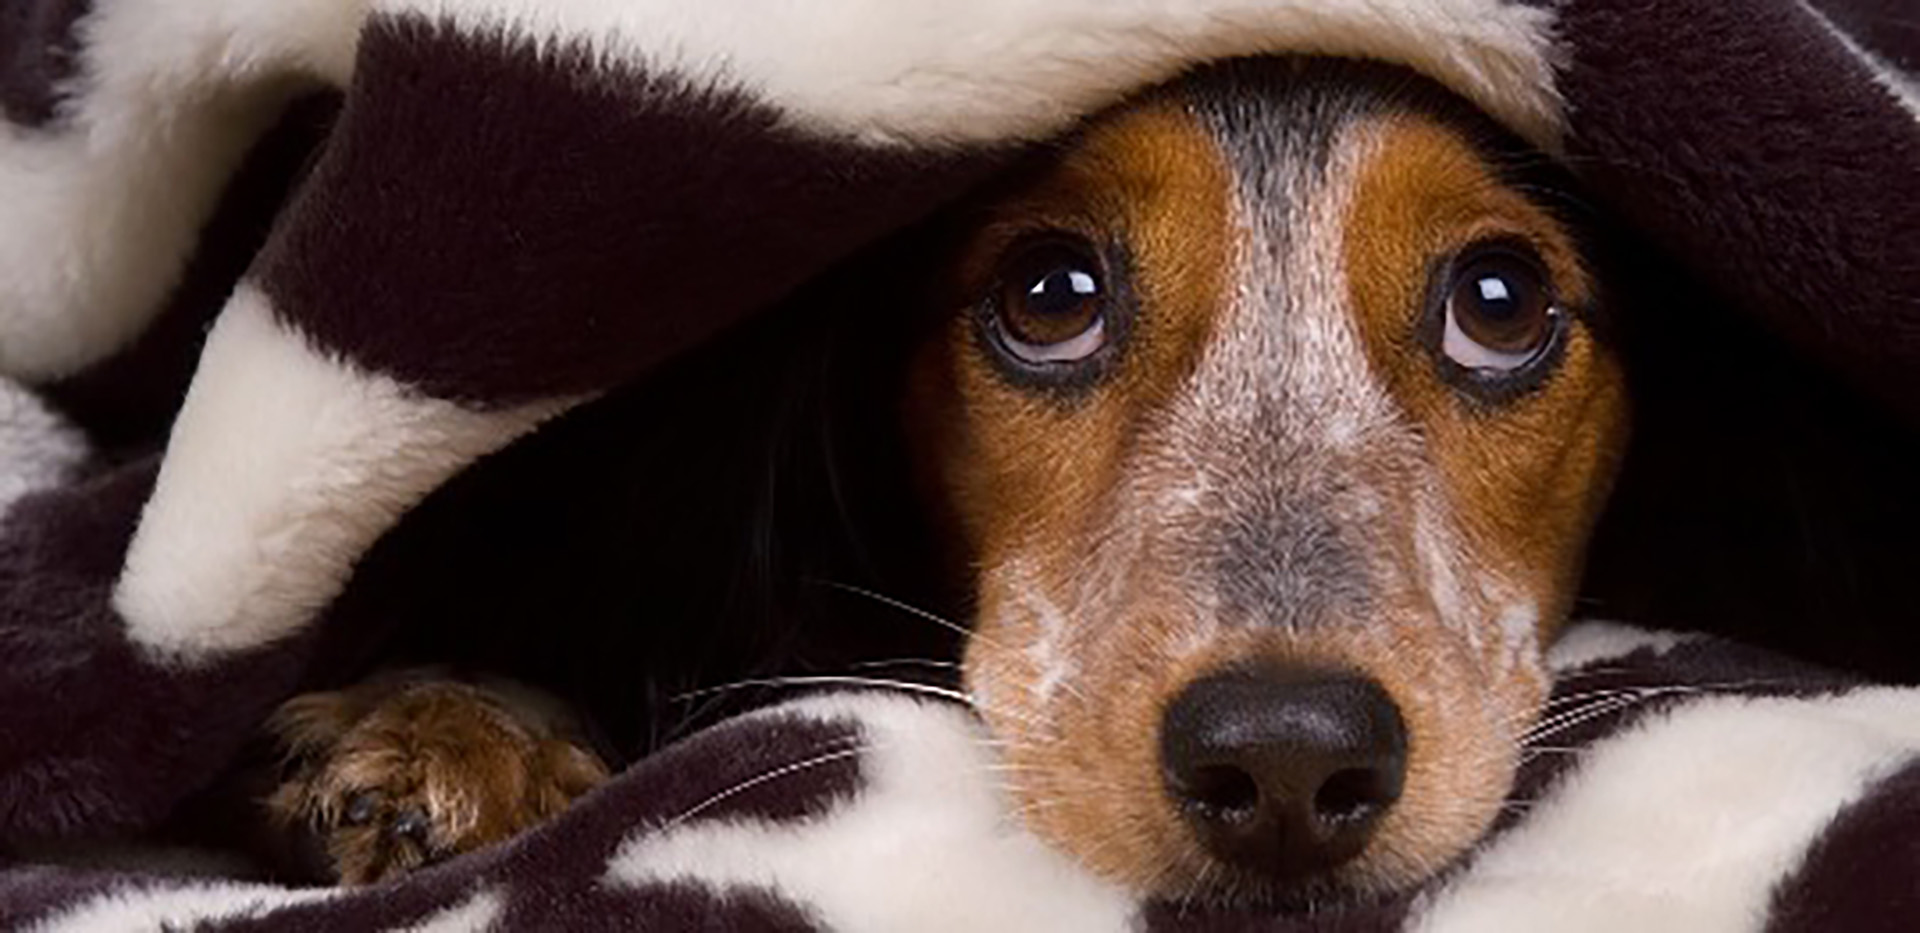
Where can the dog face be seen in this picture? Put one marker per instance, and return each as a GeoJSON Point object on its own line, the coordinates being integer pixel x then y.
{"type": "Point", "coordinates": [1274, 419]}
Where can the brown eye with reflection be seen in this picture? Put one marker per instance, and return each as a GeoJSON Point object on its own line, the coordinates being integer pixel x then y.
{"type": "Point", "coordinates": [1051, 306]}
{"type": "Point", "coordinates": [1500, 311]}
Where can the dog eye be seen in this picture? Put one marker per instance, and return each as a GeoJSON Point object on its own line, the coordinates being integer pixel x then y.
{"type": "Point", "coordinates": [1051, 306]}
{"type": "Point", "coordinates": [1500, 311]}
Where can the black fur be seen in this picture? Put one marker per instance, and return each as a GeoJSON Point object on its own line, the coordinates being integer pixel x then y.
{"type": "Point", "coordinates": [698, 528]}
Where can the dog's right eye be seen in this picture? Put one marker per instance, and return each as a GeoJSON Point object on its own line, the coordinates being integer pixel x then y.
{"type": "Point", "coordinates": [1051, 304]}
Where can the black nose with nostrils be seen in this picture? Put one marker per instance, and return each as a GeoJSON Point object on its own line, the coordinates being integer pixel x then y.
{"type": "Point", "coordinates": [1283, 772]}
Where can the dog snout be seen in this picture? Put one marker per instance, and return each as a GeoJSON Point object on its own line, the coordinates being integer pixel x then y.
{"type": "Point", "coordinates": [1283, 772]}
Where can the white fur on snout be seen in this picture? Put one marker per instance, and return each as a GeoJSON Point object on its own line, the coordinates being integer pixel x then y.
{"type": "Point", "coordinates": [1026, 624]}
{"type": "Point", "coordinates": [1519, 627]}
{"type": "Point", "coordinates": [1437, 549]}
{"type": "Point", "coordinates": [1048, 654]}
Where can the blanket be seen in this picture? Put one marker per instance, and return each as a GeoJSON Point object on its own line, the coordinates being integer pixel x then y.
{"type": "Point", "coordinates": [501, 210]}
{"type": "Point", "coordinates": [1677, 783]}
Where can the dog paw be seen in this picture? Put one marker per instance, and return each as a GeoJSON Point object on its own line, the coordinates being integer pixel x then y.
{"type": "Point", "coordinates": [409, 769]}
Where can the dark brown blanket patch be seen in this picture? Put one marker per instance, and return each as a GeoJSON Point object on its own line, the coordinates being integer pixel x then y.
{"type": "Point", "coordinates": [1889, 29]}
{"type": "Point", "coordinates": [39, 53]}
{"type": "Point", "coordinates": [1808, 223]}
{"type": "Point", "coordinates": [126, 402]}
{"type": "Point", "coordinates": [95, 737]}
{"type": "Point", "coordinates": [546, 226]}
{"type": "Point", "coordinates": [1863, 875]}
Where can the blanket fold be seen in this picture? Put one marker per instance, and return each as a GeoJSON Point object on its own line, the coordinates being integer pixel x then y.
{"type": "Point", "coordinates": [523, 205]}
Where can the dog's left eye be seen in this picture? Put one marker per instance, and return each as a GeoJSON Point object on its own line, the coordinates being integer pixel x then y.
{"type": "Point", "coordinates": [1051, 303]}
{"type": "Point", "coordinates": [1500, 312]}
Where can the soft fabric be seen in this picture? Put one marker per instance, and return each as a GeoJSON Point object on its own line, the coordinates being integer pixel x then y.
{"type": "Point", "coordinates": [1678, 784]}
{"type": "Point", "coordinates": [526, 203]}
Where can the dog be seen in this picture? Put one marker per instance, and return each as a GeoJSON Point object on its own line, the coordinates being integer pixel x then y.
{"type": "Point", "coordinates": [1266, 419]}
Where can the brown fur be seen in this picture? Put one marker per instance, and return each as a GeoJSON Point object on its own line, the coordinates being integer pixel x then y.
{"type": "Point", "coordinates": [1084, 515]}
{"type": "Point", "coordinates": [1145, 178]}
{"type": "Point", "coordinates": [474, 763]}
{"type": "Point", "coordinates": [1526, 479]}
{"type": "Point", "coordinates": [1273, 402]}
{"type": "Point", "coordinates": [1031, 480]}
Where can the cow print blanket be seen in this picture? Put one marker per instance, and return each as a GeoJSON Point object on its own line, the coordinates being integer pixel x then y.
{"type": "Point", "coordinates": [1677, 784]}
{"type": "Point", "coordinates": [512, 207]}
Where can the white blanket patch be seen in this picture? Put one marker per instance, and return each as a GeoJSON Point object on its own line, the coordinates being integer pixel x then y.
{"type": "Point", "coordinates": [38, 449]}
{"type": "Point", "coordinates": [927, 845]}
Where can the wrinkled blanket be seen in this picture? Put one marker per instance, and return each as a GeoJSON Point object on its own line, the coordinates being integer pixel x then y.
{"type": "Point", "coordinates": [1678, 783]}
{"type": "Point", "coordinates": [523, 204]}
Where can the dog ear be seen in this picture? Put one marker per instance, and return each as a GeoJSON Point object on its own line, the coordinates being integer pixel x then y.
{"type": "Point", "coordinates": [563, 771]}
{"type": "Point", "coordinates": [308, 726]}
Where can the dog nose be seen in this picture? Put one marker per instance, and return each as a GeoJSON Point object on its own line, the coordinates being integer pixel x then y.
{"type": "Point", "coordinates": [1283, 772]}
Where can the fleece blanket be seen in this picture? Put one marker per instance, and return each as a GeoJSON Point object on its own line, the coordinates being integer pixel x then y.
{"type": "Point", "coordinates": [1677, 783]}
{"type": "Point", "coordinates": [457, 266]}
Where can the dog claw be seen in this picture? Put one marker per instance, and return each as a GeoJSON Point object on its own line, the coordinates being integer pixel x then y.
{"type": "Point", "coordinates": [411, 825]}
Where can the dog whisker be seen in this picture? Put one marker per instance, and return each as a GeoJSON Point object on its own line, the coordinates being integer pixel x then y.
{"type": "Point", "coordinates": [908, 608]}
{"type": "Point", "coordinates": [1583, 696]}
{"type": "Point", "coordinates": [1528, 722]}
{"type": "Point", "coordinates": [907, 662]}
{"type": "Point", "coordinates": [854, 680]}
{"type": "Point", "coordinates": [1194, 887]}
{"type": "Point", "coordinates": [1604, 701]}
{"type": "Point", "coordinates": [856, 749]}
{"type": "Point", "coordinates": [1591, 671]}
{"type": "Point", "coordinates": [816, 680]}
{"type": "Point", "coordinates": [962, 697]}
{"type": "Point", "coordinates": [1573, 718]}
{"type": "Point", "coordinates": [917, 612]}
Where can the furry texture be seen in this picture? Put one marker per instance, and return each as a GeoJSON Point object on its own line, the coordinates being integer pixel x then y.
{"type": "Point", "coordinates": [524, 205]}
{"type": "Point", "coordinates": [878, 812]}
{"type": "Point", "coordinates": [106, 196]}
{"type": "Point", "coordinates": [1568, 865]}
{"type": "Point", "coordinates": [42, 450]}
{"type": "Point", "coordinates": [233, 549]}
{"type": "Point", "coordinates": [954, 72]}
{"type": "Point", "coordinates": [414, 767]}
{"type": "Point", "coordinates": [1834, 290]}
